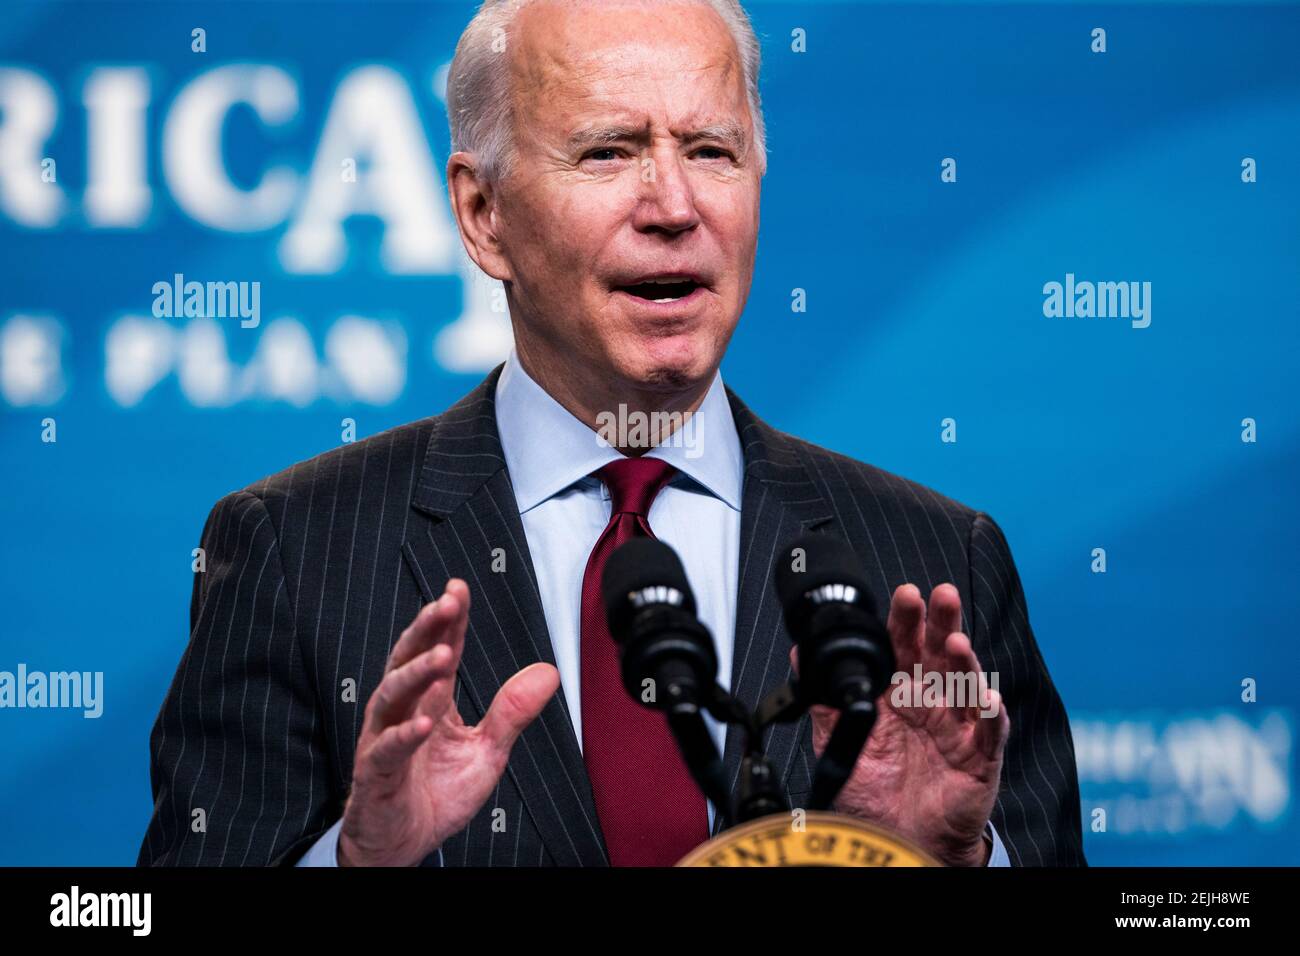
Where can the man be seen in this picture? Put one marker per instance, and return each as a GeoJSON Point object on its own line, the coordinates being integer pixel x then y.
{"type": "Point", "coordinates": [396, 655]}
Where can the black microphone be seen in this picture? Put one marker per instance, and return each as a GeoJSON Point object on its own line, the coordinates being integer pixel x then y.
{"type": "Point", "coordinates": [668, 660]}
{"type": "Point", "coordinates": [845, 653]}
{"type": "Point", "coordinates": [651, 613]}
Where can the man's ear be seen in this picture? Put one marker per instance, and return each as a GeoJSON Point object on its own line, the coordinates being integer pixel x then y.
{"type": "Point", "coordinates": [473, 203]}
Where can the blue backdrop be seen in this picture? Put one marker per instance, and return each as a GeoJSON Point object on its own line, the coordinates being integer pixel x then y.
{"type": "Point", "coordinates": [932, 169]}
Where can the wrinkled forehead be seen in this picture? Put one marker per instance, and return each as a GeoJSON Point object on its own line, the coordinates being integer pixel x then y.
{"type": "Point", "coordinates": [571, 62]}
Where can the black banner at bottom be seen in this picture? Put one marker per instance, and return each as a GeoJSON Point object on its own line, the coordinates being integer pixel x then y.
{"type": "Point", "coordinates": [332, 906]}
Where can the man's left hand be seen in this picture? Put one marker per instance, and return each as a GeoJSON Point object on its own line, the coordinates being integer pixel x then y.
{"type": "Point", "coordinates": [929, 773]}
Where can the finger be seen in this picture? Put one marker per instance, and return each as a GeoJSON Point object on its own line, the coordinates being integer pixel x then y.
{"type": "Point", "coordinates": [518, 703]}
{"type": "Point", "coordinates": [428, 627]}
{"type": "Point", "coordinates": [963, 665]}
{"type": "Point", "coordinates": [438, 699]}
{"type": "Point", "coordinates": [944, 618]}
{"type": "Point", "coordinates": [906, 625]}
{"type": "Point", "coordinates": [457, 596]}
{"type": "Point", "coordinates": [395, 698]}
{"type": "Point", "coordinates": [396, 744]}
{"type": "Point", "coordinates": [992, 732]}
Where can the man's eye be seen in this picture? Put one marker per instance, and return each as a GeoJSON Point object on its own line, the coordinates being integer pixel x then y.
{"type": "Point", "coordinates": [601, 155]}
{"type": "Point", "coordinates": [718, 152]}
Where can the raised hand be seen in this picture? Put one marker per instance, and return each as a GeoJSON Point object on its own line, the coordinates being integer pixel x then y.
{"type": "Point", "coordinates": [929, 770]}
{"type": "Point", "coordinates": [420, 773]}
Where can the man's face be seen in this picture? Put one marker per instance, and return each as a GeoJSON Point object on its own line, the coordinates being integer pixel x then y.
{"type": "Point", "coordinates": [628, 225]}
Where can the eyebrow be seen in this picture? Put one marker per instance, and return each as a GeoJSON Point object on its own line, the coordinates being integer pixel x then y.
{"type": "Point", "coordinates": [590, 137]}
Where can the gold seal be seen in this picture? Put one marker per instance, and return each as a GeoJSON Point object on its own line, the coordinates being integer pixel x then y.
{"type": "Point", "coordinates": [809, 838]}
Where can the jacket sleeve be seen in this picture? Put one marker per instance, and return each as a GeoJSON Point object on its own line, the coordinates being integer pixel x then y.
{"type": "Point", "coordinates": [238, 764]}
{"type": "Point", "coordinates": [1037, 812]}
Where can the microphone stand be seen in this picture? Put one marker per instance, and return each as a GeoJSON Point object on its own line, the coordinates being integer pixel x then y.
{"type": "Point", "coordinates": [758, 792]}
{"type": "Point", "coordinates": [789, 702]}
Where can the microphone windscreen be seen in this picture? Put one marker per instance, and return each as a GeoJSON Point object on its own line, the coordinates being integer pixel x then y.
{"type": "Point", "coordinates": [642, 563]}
{"type": "Point", "coordinates": [813, 560]}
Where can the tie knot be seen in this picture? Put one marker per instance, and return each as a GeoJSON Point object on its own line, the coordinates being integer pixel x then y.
{"type": "Point", "coordinates": [633, 483]}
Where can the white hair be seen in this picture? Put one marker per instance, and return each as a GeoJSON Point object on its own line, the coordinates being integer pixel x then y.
{"type": "Point", "coordinates": [479, 106]}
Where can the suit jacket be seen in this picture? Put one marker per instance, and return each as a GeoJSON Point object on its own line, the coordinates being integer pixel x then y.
{"type": "Point", "coordinates": [312, 574]}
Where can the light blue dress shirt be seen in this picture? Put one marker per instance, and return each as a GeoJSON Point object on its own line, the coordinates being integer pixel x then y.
{"type": "Point", "coordinates": [551, 456]}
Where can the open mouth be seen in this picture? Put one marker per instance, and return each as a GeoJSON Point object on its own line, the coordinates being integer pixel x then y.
{"type": "Point", "coordinates": [661, 290]}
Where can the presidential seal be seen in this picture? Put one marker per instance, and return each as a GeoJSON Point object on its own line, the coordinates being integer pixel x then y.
{"type": "Point", "coordinates": [808, 839]}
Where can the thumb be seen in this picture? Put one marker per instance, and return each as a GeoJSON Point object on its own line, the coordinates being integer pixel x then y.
{"type": "Point", "coordinates": [518, 703]}
{"type": "Point", "coordinates": [823, 718]}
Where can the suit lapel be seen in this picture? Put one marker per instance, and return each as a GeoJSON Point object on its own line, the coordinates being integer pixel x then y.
{"type": "Point", "coordinates": [778, 502]}
{"type": "Point", "coordinates": [476, 535]}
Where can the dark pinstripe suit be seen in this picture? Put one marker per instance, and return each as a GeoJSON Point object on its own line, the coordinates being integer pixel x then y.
{"type": "Point", "coordinates": [314, 572]}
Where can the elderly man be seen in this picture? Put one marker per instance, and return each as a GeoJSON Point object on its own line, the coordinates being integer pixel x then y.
{"type": "Point", "coordinates": [397, 654]}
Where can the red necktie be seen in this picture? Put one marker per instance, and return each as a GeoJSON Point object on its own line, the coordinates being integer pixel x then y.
{"type": "Point", "coordinates": [651, 810]}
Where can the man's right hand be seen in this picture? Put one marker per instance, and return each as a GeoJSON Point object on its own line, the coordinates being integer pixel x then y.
{"type": "Point", "coordinates": [420, 773]}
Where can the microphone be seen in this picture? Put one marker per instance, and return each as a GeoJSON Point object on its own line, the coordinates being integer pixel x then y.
{"type": "Point", "coordinates": [651, 613]}
{"type": "Point", "coordinates": [845, 654]}
{"type": "Point", "coordinates": [668, 659]}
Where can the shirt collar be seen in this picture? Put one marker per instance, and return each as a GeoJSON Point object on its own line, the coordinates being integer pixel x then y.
{"type": "Point", "coordinates": [547, 449]}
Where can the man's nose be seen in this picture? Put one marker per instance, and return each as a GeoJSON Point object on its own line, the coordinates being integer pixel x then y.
{"type": "Point", "coordinates": [667, 199]}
